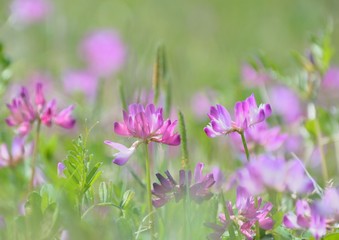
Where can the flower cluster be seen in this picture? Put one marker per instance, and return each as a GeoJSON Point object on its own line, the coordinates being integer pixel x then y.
{"type": "Point", "coordinates": [247, 114]}
{"type": "Point", "coordinates": [169, 188]}
{"type": "Point", "coordinates": [248, 211]}
{"type": "Point", "coordinates": [307, 218]}
{"type": "Point", "coordinates": [267, 172]}
{"type": "Point", "coordinates": [147, 124]}
{"type": "Point", "coordinates": [25, 112]}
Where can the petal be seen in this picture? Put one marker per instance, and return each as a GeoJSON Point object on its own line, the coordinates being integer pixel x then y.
{"type": "Point", "coordinates": [290, 221]}
{"type": "Point", "coordinates": [121, 129]}
{"type": "Point", "coordinates": [124, 153]}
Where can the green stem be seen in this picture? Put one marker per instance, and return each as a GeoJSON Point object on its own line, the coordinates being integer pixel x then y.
{"type": "Point", "coordinates": [245, 145]}
{"type": "Point", "coordinates": [35, 154]}
{"type": "Point", "coordinates": [100, 205]}
{"type": "Point", "coordinates": [187, 205]}
{"type": "Point", "coordinates": [321, 151]}
{"type": "Point", "coordinates": [257, 227]}
{"type": "Point", "coordinates": [227, 216]}
{"type": "Point", "coordinates": [149, 192]}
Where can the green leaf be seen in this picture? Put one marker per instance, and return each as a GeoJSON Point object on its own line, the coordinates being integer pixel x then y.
{"type": "Point", "coordinates": [331, 236]}
{"type": "Point", "coordinates": [103, 192]}
{"type": "Point", "coordinates": [126, 199]}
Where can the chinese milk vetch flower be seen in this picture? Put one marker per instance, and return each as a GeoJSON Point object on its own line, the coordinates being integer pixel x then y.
{"type": "Point", "coordinates": [10, 158]}
{"type": "Point", "coordinates": [286, 103]}
{"type": "Point", "coordinates": [247, 212]}
{"type": "Point", "coordinates": [81, 81]}
{"type": "Point", "coordinates": [27, 12]}
{"type": "Point", "coordinates": [306, 218]}
{"type": "Point", "coordinates": [201, 102]}
{"type": "Point", "coordinates": [147, 124]}
{"type": "Point", "coordinates": [104, 52]}
{"type": "Point", "coordinates": [267, 172]}
{"type": "Point", "coordinates": [169, 188]}
{"type": "Point", "coordinates": [253, 77]}
{"type": "Point", "coordinates": [24, 112]}
{"type": "Point", "coordinates": [247, 114]}
{"type": "Point", "coordinates": [269, 138]}
{"type": "Point", "coordinates": [328, 205]}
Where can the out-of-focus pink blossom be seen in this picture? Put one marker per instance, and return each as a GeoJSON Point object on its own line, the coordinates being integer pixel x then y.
{"type": "Point", "coordinates": [286, 103]}
{"type": "Point", "coordinates": [247, 114]}
{"type": "Point", "coordinates": [147, 125]}
{"type": "Point", "coordinates": [328, 205]}
{"type": "Point", "coordinates": [260, 136]}
{"type": "Point", "coordinates": [81, 81]}
{"type": "Point", "coordinates": [104, 52]}
{"type": "Point", "coordinates": [331, 79]}
{"type": "Point", "coordinates": [27, 12]}
{"type": "Point", "coordinates": [10, 158]}
{"type": "Point", "coordinates": [253, 77]}
{"type": "Point", "coordinates": [169, 188]}
{"type": "Point", "coordinates": [307, 218]}
{"type": "Point", "coordinates": [267, 172]}
{"type": "Point", "coordinates": [25, 111]}
{"type": "Point", "coordinates": [201, 102]}
{"type": "Point", "coordinates": [39, 177]}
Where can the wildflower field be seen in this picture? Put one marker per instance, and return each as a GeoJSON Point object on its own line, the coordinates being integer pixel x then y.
{"type": "Point", "coordinates": [169, 119]}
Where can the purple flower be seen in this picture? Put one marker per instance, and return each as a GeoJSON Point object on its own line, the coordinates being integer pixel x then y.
{"type": "Point", "coordinates": [81, 81]}
{"type": "Point", "coordinates": [61, 168]}
{"type": "Point", "coordinates": [267, 172]}
{"type": "Point", "coordinates": [249, 212]}
{"type": "Point", "coordinates": [286, 103]}
{"type": "Point", "coordinates": [146, 124]}
{"type": "Point", "coordinates": [247, 114]}
{"type": "Point", "coordinates": [328, 205]}
{"type": "Point", "coordinates": [169, 188]}
{"type": "Point", "coordinates": [331, 79]}
{"type": "Point", "coordinates": [260, 136]}
{"type": "Point", "coordinates": [13, 157]}
{"type": "Point", "coordinates": [30, 11]}
{"type": "Point", "coordinates": [104, 52]}
{"type": "Point", "coordinates": [24, 112]}
{"type": "Point", "coordinates": [253, 77]}
{"type": "Point", "coordinates": [306, 218]}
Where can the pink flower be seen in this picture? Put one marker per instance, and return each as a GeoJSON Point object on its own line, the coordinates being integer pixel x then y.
{"type": "Point", "coordinates": [104, 52]}
{"type": "Point", "coordinates": [249, 212]}
{"type": "Point", "coordinates": [290, 108]}
{"type": "Point", "coordinates": [247, 114]}
{"type": "Point", "coordinates": [30, 11]}
{"type": "Point", "coordinates": [24, 112]}
{"type": "Point", "coordinates": [269, 138]}
{"type": "Point", "coordinates": [146, 124]}
{"type": "Point", "coordinates": [267, 172]}
{"type": "Point", "coordinates": [81, 81]}
{"type": "Point", "coordinates": [306, 218]}
{"type": "Point", "coordinates": [13, 157]}
{"type": "Point", "coordinates": [253, 77]}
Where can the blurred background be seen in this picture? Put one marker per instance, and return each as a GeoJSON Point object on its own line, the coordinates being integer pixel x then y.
{"type": "Point", "coordinates": [206, 41]}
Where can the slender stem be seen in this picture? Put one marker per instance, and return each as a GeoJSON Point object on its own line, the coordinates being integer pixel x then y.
{"type": "Point", "coordinates": [187, 207]}
{"type": "Point", "coordinates": [321, 151]}
{"type": "Point", "coordinates": [149, 192]}
{"type": "Point", "coordinates": [257, 227]}
{"type": "Point", "coordinates": [99, 205]}
{"type": "Point", "coordinates": [245, 145]}
{"type": "Point", "coordinates": [227, 216]}
{"type": "Point", "coordinates": [35, 154]}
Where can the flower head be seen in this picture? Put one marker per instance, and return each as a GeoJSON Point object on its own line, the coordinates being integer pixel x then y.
{"type": "Point", "coordinates": [147, 125]}
{"type": "Point", "coordinates": [169, 188]}
{"type": "Point", "coordinates": [306, 217]}
{"type": "Point", "coordinates": [104, 52]}
{"type": "Point", "coordinates": [247, 212]}
{"type": "Point", "coordinates": [30, 11]}
{"type": "Point", "coordinates": [267, 172]}
{"type": "Point", "coordinates": [15, 156]}
{"type": "Point", "coordinates": [247, 114]}
{"type": "Point", "coordinates": [25, 111]}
